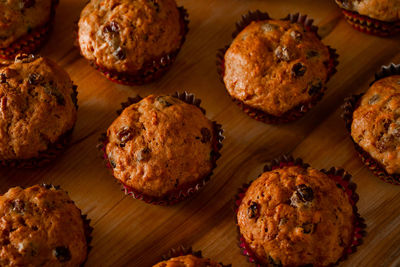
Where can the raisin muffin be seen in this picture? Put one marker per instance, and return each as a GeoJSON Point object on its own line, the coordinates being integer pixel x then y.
{"type": "Point", "coordinates": [41, 226]}
{"type": "Point", "coordinates": [131, 42]}
{"type": "Point", "coordinates": [37, 109]}
{"type": "Point", "coordinates": [24, 25]}
{"type": "Point", "coordinates": [162, 148]}
{"type": "Point", "coordinates": [276, 69]}
{"type": "Point", "coordinates": [188, 261]}
{"type": "Point", "coordinates": [380, 17]}
{"type": "Point", "coordinates": [295, 215]}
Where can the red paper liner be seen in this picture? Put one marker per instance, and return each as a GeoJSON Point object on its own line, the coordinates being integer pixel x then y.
{"type": "Point", "coordinates": [342, 180]}
{"type": "Point", "coordinates": [350, 104]}
{"type": "Point", "coordinates": [86, 222]}
{"type": "Point", "coordinates": [298, 111]}
{"type": "Point", "coordinates": [185, 191]}
{"type": "Point", "coordinates": [183, 251]}
{"type": "Point", "coordinates": [151, 70]}
{"type": "Point", "coordinates": [31, 42]}
{"type": "Point", "coordinates": [53, 150]}
{"type": "Point", "coordinates": [371, 26]}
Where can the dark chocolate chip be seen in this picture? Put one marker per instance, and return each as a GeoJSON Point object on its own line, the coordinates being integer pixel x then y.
{"type": "Point", "coordinates": [34, 78]}
{"type": "Point", "coordinates": [304, 193]}
{"type": "Point", "coordinates": [143, 154]}
{"type": "Point", "coordinates": [312, 53]}
{"type": "Point", "coordinates": [28, 3]}
{"type": "Point", "coordinates": [315, 88]}
{"type": "Point", "coordinates": [298, 70]}
{"type": "Point", "coordinates": [253, 211]}
{"type": "Point", "coordinates": [162, 100]}
{"type": "Point", "coordinates": [373, 99]}
{"type": "Point", "coordinates": [205, 135]}
{"type": "Point", "coordinates": [282, 53]}
{"type": "Point", "coordinates": [3, 78]}
{"type": "Point", "coordinates": [296, 35]}
{"type": "Point", "coordinates": [62, 254]}
{"type": "Point", "coordinates": [125, 135]}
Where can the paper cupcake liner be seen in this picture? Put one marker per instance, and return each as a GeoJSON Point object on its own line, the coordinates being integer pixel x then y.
{"type": "Point", "coordinates": [86, 222]}
{"type": "Point", "coordinates": [151, 70]}
{"type": "Point", "coordinates": [342, 180]}
{"type": "Point", "coordinates": [185, 191]}
{"type": "Point", "coordinates": [31, 42]}
{"type": "Point", "coordinates": [350, 104]}
{"type": "Point", "coordinates": [183, 251]}
{"type": "Point", "coordinates": [298, 111]}
{"type": "Point", "coordinates": [371, 26]}
{"type": "Point", "coordinates": [53, 150]}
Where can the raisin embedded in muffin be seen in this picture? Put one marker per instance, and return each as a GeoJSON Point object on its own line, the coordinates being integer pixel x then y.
{"type": "Point", "coordinates": [188, 261]}
{"type": "Point", "coordinates": [37, 108]}
{"type": "Point", "coordinates": [161, 146]}
{"type": "Point", "coordinates": [376, 123]}
{"type": "Point", "coordinates": [131, 41]}
{"type": "Point", "coordinates": [295, 216]}
{"type": "Point", "coordinates": [23, 25]}
{"type": "Point", "coordinates": [274, 67]}
{"type": "Point", "coordinates": [41, 226]}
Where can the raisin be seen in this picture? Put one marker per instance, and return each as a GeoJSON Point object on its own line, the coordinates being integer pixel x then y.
{"type": "Point", "coordinates": [3, 78]}
{"type": "Point", "coordinates": [205, 135]}
{"type": "Point", "coordinates": [386, 124]}
{"type": "Point", "coordinates": [112, 27]}
{"type": "Point", "coordinates": [296, 35]}
{"type": "Point", "coordinates": [120, 54]}
{"type": "Point", "coordinates": [282, 53]}
{"type": "Point", "coordinates": [162, 100]}
{"type": "Point", "coordinates": [373, 99]}
{"type": "Point", "coordinates": [308, 228]}
{"type": "Point", "coordinates": [298, 70]}
{"type": "Point", "coordinates": [51, 89]}
{"type": "Point", "coordinates": [312, 53]}
{"type": "Point", "coordinates": [34, 78]}
{"type": "Point", "coordinates": [155, 4]}
{"type": "Point", "coordinates": [125, 135]}
{"type": "Point", "coordinates": [304, 193]}
{"type": "Point", "coordinates": [315, 88]}
{"type": "Point", "coordinates": [253, 211]}
{"type": "Point", "coordinates": [143, 154]}
{"type": "Point", "coordinates": [62, 254]}
{"type": "Point", "coordinates": [18, 206]}
{"type": "Point", "coordinates": [28, 3]}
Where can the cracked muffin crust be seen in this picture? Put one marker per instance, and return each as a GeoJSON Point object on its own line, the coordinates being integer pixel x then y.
{"type": "Point", "coordinates": [294, 216]}
{"type": "Point", "coordinates": [188, 261]}
{"type": "Point", "coordinates": [40, 226]}
{"type": "Point", "coordinates": [160, 145]}
{"type": "Point", "coordinates": [384, 10]}
{"type": "Point", "coordinates": [37, 106]}
{"type": "Point", "coordinates": [276, 65]}
{"type": "Point", "coordinates": [376, 123]}
{"type": "Point", "coordinates": [125, 35]}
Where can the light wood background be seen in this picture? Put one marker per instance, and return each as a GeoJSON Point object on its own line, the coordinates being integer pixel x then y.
{"type": "Point", "coordinates": [128, 232]}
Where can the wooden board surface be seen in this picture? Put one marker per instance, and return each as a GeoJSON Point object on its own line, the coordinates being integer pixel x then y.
{"type": "Point", "coordinates": [128, 232]}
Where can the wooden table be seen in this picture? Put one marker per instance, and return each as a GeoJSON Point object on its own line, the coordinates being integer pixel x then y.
{"type": "Point", "coordinates": [128, 232]}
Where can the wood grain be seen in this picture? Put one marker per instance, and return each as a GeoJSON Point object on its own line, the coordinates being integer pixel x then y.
{"type": "Point", "coordinates": [128, 232]}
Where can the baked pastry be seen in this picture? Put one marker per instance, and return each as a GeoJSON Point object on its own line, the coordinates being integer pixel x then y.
{"type": "Point", "coordinates": [379, 17]}
{"type": "Point", "coordinates": [24, 25]}
{"type": "Point", "coordinates": [41, 226]}
{"type": "Point", "coordinates": [276, 70]}
{"type": "Point", "coordinates": [294, 215]}
{"type": "Point", "coordinates": [162, 149]}
{"type": "Point", "coordinates": [373, 120]}
{"type": "Point", "coordinates": [188, 261]}
{"type": "Point", "coordinates": [37, 110]}
{"type": "Point", "coordinates": [132, 42]}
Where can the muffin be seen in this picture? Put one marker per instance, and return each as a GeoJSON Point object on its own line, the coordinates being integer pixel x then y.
{"type": "Point", "coordinates": [132, 42]}
{"type": "Point", "coordinates": [295, 215]}
{"type": "Point", "coordinates": [373, 120]}
{"type": "Point", "coordinates": [41, 226]}
{"type": "Point", "coordinates": [24, 25]}
{"type": "Point", "coordinates": [162, 149]}
{"type": "Point", "coordinates": [276, 70]}
{"type": "Point", "coordinates": [378, 17]}
{"type": "Point", "coordinates": [37, 110]}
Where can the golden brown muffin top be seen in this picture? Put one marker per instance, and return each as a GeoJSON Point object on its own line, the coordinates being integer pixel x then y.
{"type": "Point", "coordinates": [385, 10]}
{"type": "Point", "coordinates": [19, 17]}
{"type": "Point", "coordinates": [36, 106]}
{"type": "Point", "coordinates": [188, 261]}
{"type": "Point", "coordinates": [376, 123]}
{"type": "Point", "coordinates": [122, 35]}
{"type": "Point", "coordinates": [275, 66]}
{"type": "Point", "coordinates": [40, 227]}
{"type": "Point", "coordinates": [295, 216]}
{"type": "Point", "coordinates": [160, 144]}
